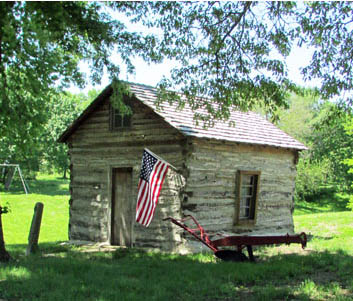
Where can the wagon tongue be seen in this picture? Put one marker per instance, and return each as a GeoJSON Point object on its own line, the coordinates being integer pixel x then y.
{"type": "Point", "coordinates": [231, 255]}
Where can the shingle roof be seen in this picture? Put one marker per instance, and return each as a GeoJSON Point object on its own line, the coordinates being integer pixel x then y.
{"type": "Point", "coordinates": [249, 128]}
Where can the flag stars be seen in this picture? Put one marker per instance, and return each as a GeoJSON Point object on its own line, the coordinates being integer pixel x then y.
{"type": "Point", "coordinates": [148, 162]}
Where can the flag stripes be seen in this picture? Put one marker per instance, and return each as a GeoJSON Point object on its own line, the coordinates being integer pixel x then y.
{"type": "Point", "coordinates": [153, 172]}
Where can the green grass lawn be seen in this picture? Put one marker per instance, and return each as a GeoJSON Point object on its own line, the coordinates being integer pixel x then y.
{"type": "Point", "coordinates": [53, 192]}
{"type": "Point", "coordinates": [323, 271]}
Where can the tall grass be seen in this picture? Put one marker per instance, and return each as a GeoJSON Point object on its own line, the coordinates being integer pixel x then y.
{"type": "Point", "coordinates": [323, 271]}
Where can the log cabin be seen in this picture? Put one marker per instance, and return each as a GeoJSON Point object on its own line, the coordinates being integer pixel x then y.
{"type": "Point", "coordinates": [236, 177]}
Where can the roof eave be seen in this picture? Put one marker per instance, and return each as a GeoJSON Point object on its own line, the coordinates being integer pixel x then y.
{"type": "Point", "coordinates": [289, 148]}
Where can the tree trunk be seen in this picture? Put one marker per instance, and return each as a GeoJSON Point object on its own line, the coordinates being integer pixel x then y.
{"type": "Point", "coordinates": [64, 176]}
{"type": "Point", "coordinates": [4, 255]}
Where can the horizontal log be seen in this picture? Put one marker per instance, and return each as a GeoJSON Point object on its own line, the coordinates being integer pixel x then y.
{"type": "Point", "coordinates": [157, 228]}
{"type": "Point", "coordinates": [125, 132]}
{"type": "Point", "coordinates": [92, 180]}
{"type": "Point", "coordinates": [89, 234]}
{"type": "Point", "coordinates": [103, 125]}
{"type": "Point", "coordinates": [208, 202]}
{"type": "Point", "coordinates": [211, 210]}
{"type": "Point", "coordinates": [228, 146]}
{"type": "Point", "coordinates": [216, 193]}
{"type": "Point", "coordinates": [92, 224]}
{"type": "Point", "coordinates": [127, 152]}
{"type": "Point", "coordinates": [137, 140]}
{"type": "Point", "coordinates": [91, 204]}
{"type": "Point", "coordinates": [276, 195]}
{"type": "Point", "coordinates": [97, 214]}
{"type": "Point", "coordinates": [159, 245]}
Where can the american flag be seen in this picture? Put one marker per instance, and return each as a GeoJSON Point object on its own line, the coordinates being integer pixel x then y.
{"type": "Point", "coordinates": [153, 172]}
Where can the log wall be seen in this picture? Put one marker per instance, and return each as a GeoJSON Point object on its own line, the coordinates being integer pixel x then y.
{"type": "Point", "coordinates": [210, 192]}
{"type": "Point", "coordinates": [207, 189]}
{"type": "Point", "coordinates": [95, 151]}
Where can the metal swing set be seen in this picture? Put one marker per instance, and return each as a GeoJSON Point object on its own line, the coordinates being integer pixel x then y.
{"type": "Point", "coordinates": [15, 167]}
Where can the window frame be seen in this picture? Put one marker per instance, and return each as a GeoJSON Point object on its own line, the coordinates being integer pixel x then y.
{"type": "Point", "coordinates": [254, 200]}
{"type": "Point", "coordinates": [112, 117]}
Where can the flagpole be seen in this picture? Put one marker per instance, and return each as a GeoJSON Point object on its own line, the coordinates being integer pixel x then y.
{"type": "Point", "coordinates": [159, 158]}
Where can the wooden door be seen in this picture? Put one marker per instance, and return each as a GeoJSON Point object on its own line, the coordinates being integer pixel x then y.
{"type": "Point", "coordinates": [121, 231]}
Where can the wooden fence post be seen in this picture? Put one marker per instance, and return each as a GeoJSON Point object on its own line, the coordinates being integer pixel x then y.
{"type": "Point", "coordinates": [35, 228]}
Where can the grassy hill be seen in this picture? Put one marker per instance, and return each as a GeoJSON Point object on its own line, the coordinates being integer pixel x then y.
{"type": "Point", "coordinates": [323, 271]}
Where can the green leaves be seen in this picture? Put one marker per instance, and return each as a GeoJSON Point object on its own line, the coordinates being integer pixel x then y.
{"type": "Point", "coordinates": [120, 91]}
{"type": "Point", "coordinates": [325, 129]}
{"type": "Point", "coordinates": [41, 46]}
{"type": "Point", "coordinates": [224, 50]}
{"type": "Point", "coordinates": [222, 47]}
{"type": "Point", "coordinates": [63, 109]}
{"type": "Point", "coordinates": [229, 55]}
{"type": "Point", "coordinates": [327, 26]}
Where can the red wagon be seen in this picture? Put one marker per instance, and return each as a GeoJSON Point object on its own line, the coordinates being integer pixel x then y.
{"type": "Point", "coordinates": [239, 241]}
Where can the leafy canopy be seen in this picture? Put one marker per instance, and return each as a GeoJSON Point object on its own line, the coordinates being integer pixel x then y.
{"type": "Point", "coordinates": [230, 54]}
{"type": "Point", "coordinates": [41, 46]}
{"type": "Point", "coordinates": [234, 52]}
{"type": "Point", "coordinates": [298, 119]}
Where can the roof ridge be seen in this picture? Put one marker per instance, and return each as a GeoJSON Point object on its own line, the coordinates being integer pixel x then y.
{"type": "Point", "coordinates": [137, 84]}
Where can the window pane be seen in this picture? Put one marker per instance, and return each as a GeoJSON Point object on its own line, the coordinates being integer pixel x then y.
{"type": "Point", "coordinates": [247, 191]}
{"type": "Point", "coordinates": [244, 207]}
{"type": "Point", "coordinates": [119, 120]}
{"type": "Point", "coordinates": [247, 202]}
{"type": "Point", "coordinates": [246, 179]}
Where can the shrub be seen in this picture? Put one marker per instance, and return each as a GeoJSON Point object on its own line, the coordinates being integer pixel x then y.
{"type": "Point", "coordinates": [312, 178]}
{"type": "Point", "coordinates": [350, 203]}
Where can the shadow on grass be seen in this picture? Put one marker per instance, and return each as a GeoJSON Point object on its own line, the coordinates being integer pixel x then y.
{"type": "Point", "coordinates": [311, 237]}
{"type": "Point", "coordinates": [18, 250]}
{"type": "Point", "coordinates": [51, 186]}
{"type": "Point", "coordinates": [329, 201]}
{"type": "Point", "coordinates": [63, 272]}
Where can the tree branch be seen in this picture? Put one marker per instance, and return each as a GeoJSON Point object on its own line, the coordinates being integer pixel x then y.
{"type": "Point", "coordinates": [236, 23]}
{"type": "Point", "coordinates": [246, 8]}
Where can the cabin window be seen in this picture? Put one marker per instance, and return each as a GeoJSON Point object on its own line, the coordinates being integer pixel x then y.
{"type": "Point", "coordinates": [248, 188]}
{"type": "Point", "coordinates": [118, 120]}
